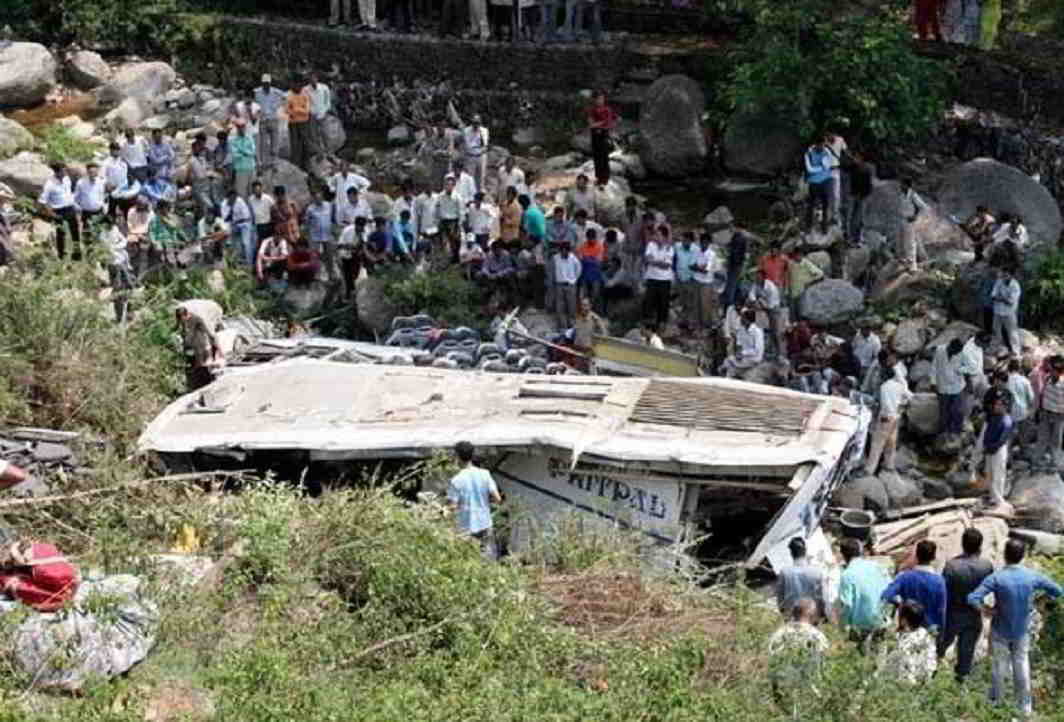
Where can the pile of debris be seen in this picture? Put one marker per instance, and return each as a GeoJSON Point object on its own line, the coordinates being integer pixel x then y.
{"type": "Point", "coordinates": [943, 523]}
{"type": "Point", "coordinates": [41, 453]}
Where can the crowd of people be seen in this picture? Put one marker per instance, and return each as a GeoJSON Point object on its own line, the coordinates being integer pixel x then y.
{"type": "Point", "coordinates": [933, 610]}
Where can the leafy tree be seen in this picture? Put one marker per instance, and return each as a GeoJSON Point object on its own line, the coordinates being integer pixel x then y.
{"type": "Point", "coordinates": [808, 62]}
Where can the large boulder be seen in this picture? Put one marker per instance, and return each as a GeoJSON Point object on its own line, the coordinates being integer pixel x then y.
{"type": "Point", "coordinates": [129, 113]}
{"type": "Point", "coordinates": [1039, 501]}
{"type": "Point", "coordinates": [761, 143]}
{"type": "Point", "coordinates": [966, 293]}
{"type": "Point", "coordinates": [26, 173]}
{"type": "Point", "coordinates": [901, 491]}
{"type": "Point", "coordinates": [672, 138]}
{"type": "Point", "coordinates": [307, 301]}
{"type": "Point", "coordinates": [909, 337]}
{"type": "Point", "coordinates": [896, 286]}
{"type": "Point", "coordinates": [87, 70]}
{"type": "Point", "coordinates": [959, 330]}
{"type": "Point", "coordinates": [147, 82]}
{"type": "Point", "coordinates": [871, 489]}
{"type": "Point", "coordinates": [333, 132]}
{"type": "Point", "coordinates": [375, 311]}
{"type": "Point", "coordinates": [13, 138]}
{"type": "Point", "coordinates": [831, 301]}
{"type": "Point", "coordinates": [27, 74]}
{"type": "Point", "coordinates": [1003, 189]}
{"type": "Point", "coordinates": [609, 201]}
{"type": "Point", "coordinates": [922, 414]}
{"type": "Point", "coordinates": [937, 234]}
{"type": "Point", "coordinates": [291, 177]}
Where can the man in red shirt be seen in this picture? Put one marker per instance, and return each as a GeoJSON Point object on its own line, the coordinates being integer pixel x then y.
{"type": "Point", "coordinates": [774, 265]}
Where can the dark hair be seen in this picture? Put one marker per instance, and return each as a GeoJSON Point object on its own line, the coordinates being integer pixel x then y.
{"type": "Point", "coordinates": [850, 548]}
{"type": "Point", "coordinates": [925, 551]}
{"type": "Point", "coordinates": [279, 190]}
{"type": "Point", "coordinates": [1014, 551]}
{"type": "Point", "coordinates": [524, 200]}
{"type": "Point", "coordinates": [797, 547]}
{"type": "Point", "coordinates": [591, 234]}
{"type": "Point", "coordinates": [1015, 365]}
{"type": "Point", "coordinates": [972, 541]}
{"type": "Point", "coordinates": [912, 612]}
{"type": "Point", "coordinates": [611, 235]}
{"type": "Point", "coordinates": [580, 213]}
{"type": "Point", "coordinates": [464, 450]}
{"type": "Point", "coordinates": [955, 347]}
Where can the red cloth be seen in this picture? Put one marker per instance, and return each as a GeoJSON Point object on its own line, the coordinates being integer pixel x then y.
{"type": "Point", "coordinates": [774, 267]}
{"type": "Point", "coordinates": [303, 265]}
{"type": "Point", "coordinates": [45, 587]}
{"type": "Point", "coordinates": [595, 251]}
{"type": "Point", "coordinates": [602, 114]}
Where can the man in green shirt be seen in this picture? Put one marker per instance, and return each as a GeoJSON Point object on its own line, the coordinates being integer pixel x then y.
{"type": "Point", "coordinates": [244, 154]}
{"type": "Point", "coordinates": [801, 274]}
{"type": "Point", "coordinates": [860, 609]}
{"type": "Point", "coordinates": [165, 236]}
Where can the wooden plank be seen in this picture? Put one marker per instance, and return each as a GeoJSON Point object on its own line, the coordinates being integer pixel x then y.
{"type": "Point", "coordinates": [888, 541]}
{"type": "Point", "coordinates": [936, 506]}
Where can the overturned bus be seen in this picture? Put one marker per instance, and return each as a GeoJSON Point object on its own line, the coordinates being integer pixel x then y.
{"type": "Point", "coordinates": [711, 467]}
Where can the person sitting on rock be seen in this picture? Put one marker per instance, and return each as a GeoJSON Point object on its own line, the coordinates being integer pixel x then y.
{"type": "Point", "coordinates": [212, 233]}
{"type": "Point", "coordinates": [158, 189]}
{"type": "Point", "coordinates": [498, 272]}
{"type": "Point", "coordinates": [980, 229]}
{"type": "Point", "coordinates": [271, 265]}
{"type": "Point", "coordinates": [749, 347]}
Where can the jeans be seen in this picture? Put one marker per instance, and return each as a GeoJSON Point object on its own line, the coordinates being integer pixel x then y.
{"type": "Point", "coordinates": [243, 243]}
{"type": "Point", "coordinates": [950, 413]}
{"type": "Point", "coordinates": [548, 18]}
{"type": "Point", "coordinates": [269, 140]}
{"type": "Point", "coordinates": [966, 636]}
{"type": "Point", "coordinates": [1005, 326]}
{"type": "Point", "coordinates": [576, 12]}
{"type": "Point", "coordinates": [819, 195]}
{"type": "Point", "coordinates": [1050, 435]}
{"type": "Point", "coordinates": [300, 138]}
{"type": "Point", "coordinates": [1006, 654]}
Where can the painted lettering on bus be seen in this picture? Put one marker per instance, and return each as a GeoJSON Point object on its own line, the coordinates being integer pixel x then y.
{"type": "Point", "coordinates": [616, 491]}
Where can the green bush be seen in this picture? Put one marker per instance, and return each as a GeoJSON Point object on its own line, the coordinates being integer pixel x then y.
{"type": "Point", "coordinates": [58, 145]}
{"type": "Point", "coordinates": [1043, 291]}
{"type": "Point", "coordinates": [443, 294]}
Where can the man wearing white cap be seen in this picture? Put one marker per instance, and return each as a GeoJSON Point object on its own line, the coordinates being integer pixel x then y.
{"type": "Point", "coordinates": [271, 100]}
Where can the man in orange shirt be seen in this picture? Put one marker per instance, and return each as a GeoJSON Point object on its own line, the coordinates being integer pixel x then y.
{"type": "Point", "coordinates": [774, 264]}
{"type": "Point", "coordinates": [298, 108]}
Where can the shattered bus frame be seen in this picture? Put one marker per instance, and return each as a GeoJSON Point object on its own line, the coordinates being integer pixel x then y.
{"type": "Point", "coordinates": [674, 459]}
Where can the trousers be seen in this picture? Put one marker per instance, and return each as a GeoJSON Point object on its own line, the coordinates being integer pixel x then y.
{"type": "Point", "coordinates": [656, 301]}
{"type": "Point", "coordinates": [1011, 655]}
{"type": "Point", "coordinates": [367, 10]}
{"type": "Point", "coordinates": [339, 11]}
{"type": "Point", "coordinates": [705, 304]}
{"type": "Point", "coordinates": [884, 443]}
{"type": "Point", "coordinates": [300, 137]}
{"type": "Point", "coordinates": [967, 637]}
{"type": "Point", "coordinates": [1005, 327]}
{"type": "Point", "coordinates": [926, 16]}
{"type": "Point", "coordinates": [1050, 436]}
{"type": "Point", "coordinates": [269, 140]}
{"type": "Point", "coordinates": [819, 195]}
{"type": "Point", "coordinates": [565, 304]}
{"type": "Point", "coordinates": [478, 20]}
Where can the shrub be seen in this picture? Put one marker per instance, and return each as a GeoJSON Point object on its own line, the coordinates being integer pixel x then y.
{"type": "Point", "coordinates": [58, 145]}
{"type": "Point", "coordinates": [1043, 291]}
{"type": "Point", "coordinates": [443, 294]}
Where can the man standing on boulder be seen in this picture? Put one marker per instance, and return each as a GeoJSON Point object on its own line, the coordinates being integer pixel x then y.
{"type": "Point", "coordinates": [818, 160]}
{"type": "Point", "coordinates": [270, 100]}
{"type": "Point", "coordinates": [471, 493]}
{"type": "Point", "coordinates": [893, 395]}
{"type": "Point", "coordinates": [912, 205]}
{"type": "Point", "coordinates": [320, 106]}
{"type": "Point", "coordinates": [298, 109]}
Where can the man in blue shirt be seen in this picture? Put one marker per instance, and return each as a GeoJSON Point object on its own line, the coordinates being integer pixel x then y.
{"type": "Point", "coordinates": [801, 581]}
{"type": "Point", "coordinates": [861, 608]}
{"type": "Point", "coordinates": [922, 584]}
{"type": "Point", "coordinates": [818, 163]}
{"type": "Point", "coordinates": [1013, 587]}
{"type": "Point", "coordinates": [471, 493]}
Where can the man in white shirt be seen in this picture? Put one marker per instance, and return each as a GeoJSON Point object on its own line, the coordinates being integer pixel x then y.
{"type": "Point", "coordinates": [407, 201]}
{"type": "Point", "coordinates": [475, 139]}
{"type": "Point", "coordinates": [749, 346]}
{"type": "Point", "coordinates": [57, 201]}
{"type": "Point", "coordinates": [705, 266]}
{"type": "Point", "coordinates": [271, 264]}
{"type": "Point", "coordinates": [837, 148]}
{"type": "Point", "coordinates": [765, 296]}
{"type": "Point", "coordinates": [90, 194]}
{"type": "Point", "coordinates": [580, 197]}
{"type": "Point", "coordinates": [115, 176]}
{"type": "Point", "coordinates": [893, 396]}
{"type": "Point", "coordinates": [320, 105]}
{"type": "Point", "coordinates": [912, 205]}
{"type": "Point", "coordinates": [343, 180]}
{"type": "Point", "coordinates": [658, 260]}
{"type": "Point", "coordinates": [481, 218]}
{"type": "Point", "coordinates": [236, 212]}
{"type": "Point", "coordinates": [947, 376]}
{"type": "Point", "coordinates": [270, 100]}
{"type": "Point", "coordinates": [1012, 230]}
{"type": "Point", "coordinates": [119, 270]}
{"type": "Point", "coordinates": [261, 208]}
{"type": "Point", "coordinates": [510, 176]}
{"type": "Point", "coordinates": [135, 154]}
{"type": "Point", "coordinates": [198, 174]}
{"type": "Point", "coordinates": [464, 184]}
{"type": "Point", "coordinates": [449, 213]}
{"type": "Point", "coordinates": [212, 235]}
{"type": "Point", "coordinates": [566, 275]}
{"type": "Point", "coordinates": [1006, 298]}
{"type": "Point", "coordinates": [866, 347]}
{"type": "Point", "coordinates": [355, 207]}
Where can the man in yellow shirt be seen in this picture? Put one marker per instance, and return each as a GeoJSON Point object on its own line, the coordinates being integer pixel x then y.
{"type": "Point", "coordinates": [298, 109]}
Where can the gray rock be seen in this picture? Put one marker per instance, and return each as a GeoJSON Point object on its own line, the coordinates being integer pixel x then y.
{"type": "Point", "coordinates": [872, 490]}
{"type": "Point", "coordinates": [26, 173]}
{"type": "Point", "coordinates": [609, 201]}
{"type": "Point", "coordinates": [185, 99]}
{"type": "Point", "coordinates": [375, 311]}
{"type": "Point", "coordinates": [291, 177]}
{"type": "Point", "coordinates": [937, 489]}
{"type": "Point", "coordinates": [1006, 190]}
{"type": "Point", "coordinates": [904, 460]}
{"type": "Point", "coordinates": [831, 301]}
{"type": "Point", "coordinates": [901, 491]}
{"type": "Point", "coordinates": [922, 414]}
{"type": "Point", "coordinates": [765, 373]}
{"type": "Point", "coordinates": [909, 337]}
{"type": "Point", "coordinates": [761, 143]}
{"type": "Point", "coordinates": [49, 453]}
{"type": "Point", "coordinates": [400, 135]}
{"type": "Point", "coordinates": [959, 330]}
{"type": "Point", "coordinates": [129, 113]}
{"type": "Point", "coordinates": [529, 136]}
{"type": "Point", "coordinates": [816, 239]}
{"type": "Point", "coordinates": [632, 163]}
{"type": "Point", "coordinates": [27, 74]}
{"type": "Point", "coordinates": [937, 234]}
{"type": "Point", "coordinates": [87, 70]}
{"type": "Point", "coordinates": [306, 301]}
{"type": "Point", "coordinates": [717, 216]}
{"type": "Point", "coordinates": [966, 292]}
{"type": "Point", "coordinates": [147, 82]}
{"type": "Point", "coordinates": [895, 286]}
{"type": "Point", "coordinates": [672, 137]}
{"type": "Point", "coordinates": [581, 142]}
{"type": "Point", "coordinates": [1039, 500]}
{"type": "Point", "coordinates": [13, 138]}
{"type": "Point", "coordinates": [561, 162]}
{"type": "Point", "coordinates": [334, 134]}
{"type": "Point", "coordinates": [857, 260]}
{"type": "Point", "coordinates": [919, 372]}
{"type": "Point", "coordinates": [848, 496]}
